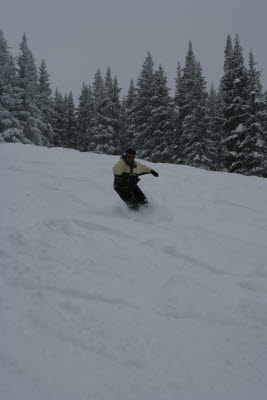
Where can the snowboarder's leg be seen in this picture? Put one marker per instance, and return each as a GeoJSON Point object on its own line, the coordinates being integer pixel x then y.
{"type": "Point", "coordinates": [132, 195]}
{"type": "Point", "coordinates": [124, 193]}
{"type": "Point", "coordinates": [127, 196]}
{"type": "Point", "coordinates": [139, 196]}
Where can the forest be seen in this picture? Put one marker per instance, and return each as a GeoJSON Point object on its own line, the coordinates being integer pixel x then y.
{"type": "Point", "coordinates": [222, 129]}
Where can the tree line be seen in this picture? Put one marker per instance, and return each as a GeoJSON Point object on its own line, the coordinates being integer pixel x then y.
{"type": "Point", "coordinates": [220, 130]}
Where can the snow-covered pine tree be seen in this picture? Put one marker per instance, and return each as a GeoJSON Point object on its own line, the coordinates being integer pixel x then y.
{"type": "Point", "coordinates": [265, 117]}
{"type": "Point", "coordinates": [45, 100]}
{"type": "Point", "coordinates": [109, 81]}
{"type": "Point", "coordinates": [186, 92]}
{"type": "Point", "coordinates": [84, 115]}
{"type": "Point", "coordinates": [100, 137]}
{"type": "Point", "coordinates": [117, 114]}
{"type": "Point", "coordinates": [158, 143]}
{"type": "Point", "coordinates": [214, 120]}
{"type": "Point", "coordinates": [56, 121]}
{"type": "Point", "coordinates": [197, 142]}
{"type": "Point", "coordinates": [35, 128]}
{"type": "Point", "coordinates": [143, 107]}
{"type": "Point", "coordinates": [95, 131]}
{"type": "Point", "coordinates": [196, 145]}
{"type": "Point", "coordinates": [7, 67]}
{"type": "Point", "coordinates": [254, 151]}
{"type": "Point", "coordinates": [228, 52]}
{"type": "Point", "coordinates": [254, 83]}
{"type": "Point", "coordinates": [126, 137]}
{"type": "Point", "coordinates": [11, 129]}
{"type": "Point", "coordinates": [177, 154]}
{"type": "Point", "coordinates": [112, 111]}
{"type": "Point", "coordinates": [27, 74]}
{"type": "Point", "coordinates": [123, 120]}
{"type": "Point", "coordinates": [72, 123]}
{"type": "Point", "coordinates": [178, 78]}
{"type": "Point", "coordinates": [65, 137]}
{"type": "Point", "coordinates": [236, 109]}
{"type": "Point", "coordinates": [60, 119]}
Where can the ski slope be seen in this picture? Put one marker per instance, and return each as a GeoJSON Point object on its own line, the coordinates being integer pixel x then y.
{"type": "Point", "coordinates": [101, 303]}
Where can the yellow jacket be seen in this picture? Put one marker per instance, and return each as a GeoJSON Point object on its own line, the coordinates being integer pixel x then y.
{"type": "Point", "coordinates": [121, 167]}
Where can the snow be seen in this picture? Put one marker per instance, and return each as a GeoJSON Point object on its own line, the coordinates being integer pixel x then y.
{"type": "Point", "coordinates": [98, 302]}
{"type": "Point", "coordinates": [240, 128]}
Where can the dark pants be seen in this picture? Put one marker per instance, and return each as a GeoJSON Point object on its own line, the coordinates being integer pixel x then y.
{"type": "Point", "coordinates": [131, 194]}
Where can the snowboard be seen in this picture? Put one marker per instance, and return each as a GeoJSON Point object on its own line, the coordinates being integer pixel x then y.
{"type": "Point", "coordinates": [137, 206]}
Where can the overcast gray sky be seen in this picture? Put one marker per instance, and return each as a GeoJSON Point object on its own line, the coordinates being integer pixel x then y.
{"type": "Point", "coordinates": [75, 37]}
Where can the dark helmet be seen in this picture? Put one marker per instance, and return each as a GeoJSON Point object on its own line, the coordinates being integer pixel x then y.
{"type": "Point", "coordinates": [130, 151]}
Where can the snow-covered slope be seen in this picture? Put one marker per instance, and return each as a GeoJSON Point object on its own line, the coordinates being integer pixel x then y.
{"type": "Point", "coordinates": [98, 302]}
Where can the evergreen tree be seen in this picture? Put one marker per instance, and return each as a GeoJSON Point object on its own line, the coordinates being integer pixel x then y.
{"type": "Point", "coordinates": [214, 119]}
{"type": "Point", "coordinates": [116, 115]}
{"type": "Point", "coordinates": [35, 129]}
{"type": "Point", "coordinates": [228, 52]}
{"type": "Point", "coordinates": [143, 107]}
{"type": "Point", "coordinates": [102, 139]}
{"type": "Point", "coordinates": [177, 120]}
{"type": "Point", "coordinates": [186, 101]}
{"type": "Point", "coordinates": [123, 127]}
{"type": "Point", "coordinates": [196, 145]}
{"type": "Point", "coordinates": [45, 101]}
{"type": "Point", "coordinates": [254, 151]}
{"type": "Point", "coordinates": [27, 74]}
{"type": "Point", "coordinates": [254, 83]}
{"type": "Point", "coordinates": [90, 107]}
{"type": "Point", "coordinates": [97, 135]}
{"type": "Point", "coordinates": [265, 117]}
{"type": "Point", "coordinates": [11, 129]}
{"type": "Point", "coordinates": [186, 93]}
{"type": "Point", "coordinates": [235, 96]}
{"type": "Point", "coordinates": [109, 82]}
{"type": "Point", "coordinates": [7, 66]}
{"type": "Point", "coordinates": [127, 136]}
{"type": "Point", "coordinates": [83, 118]}
{"type": "Point", "coordinates": [158, 143]}
{"type": "Point", "coordinates": [178, 84]}
{"type": "Point", "coordinates": [60, 119]}
{"type": "Point", "coordinates": [65, 136]}
{"type": "Point", "coordinates": [111, 112]}
{"type": "Point", "coordinates": [72, 123]}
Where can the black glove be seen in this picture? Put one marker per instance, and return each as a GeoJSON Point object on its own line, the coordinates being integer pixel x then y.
{"type": "Point", "coordinates": [154, 173]}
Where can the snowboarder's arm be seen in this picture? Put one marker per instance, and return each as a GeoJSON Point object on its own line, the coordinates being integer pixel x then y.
{"type": "Point", "coordinates": [143, 169]}
{"type": "Point", "coordinates": [147, 170]}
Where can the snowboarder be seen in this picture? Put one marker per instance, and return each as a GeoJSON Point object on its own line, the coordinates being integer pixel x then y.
{"type": "Point", "coordinates": [126, 176]}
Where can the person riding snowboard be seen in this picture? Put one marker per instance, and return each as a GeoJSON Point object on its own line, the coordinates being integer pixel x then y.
{"type": "Point", "coordinates": [126, 176]}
